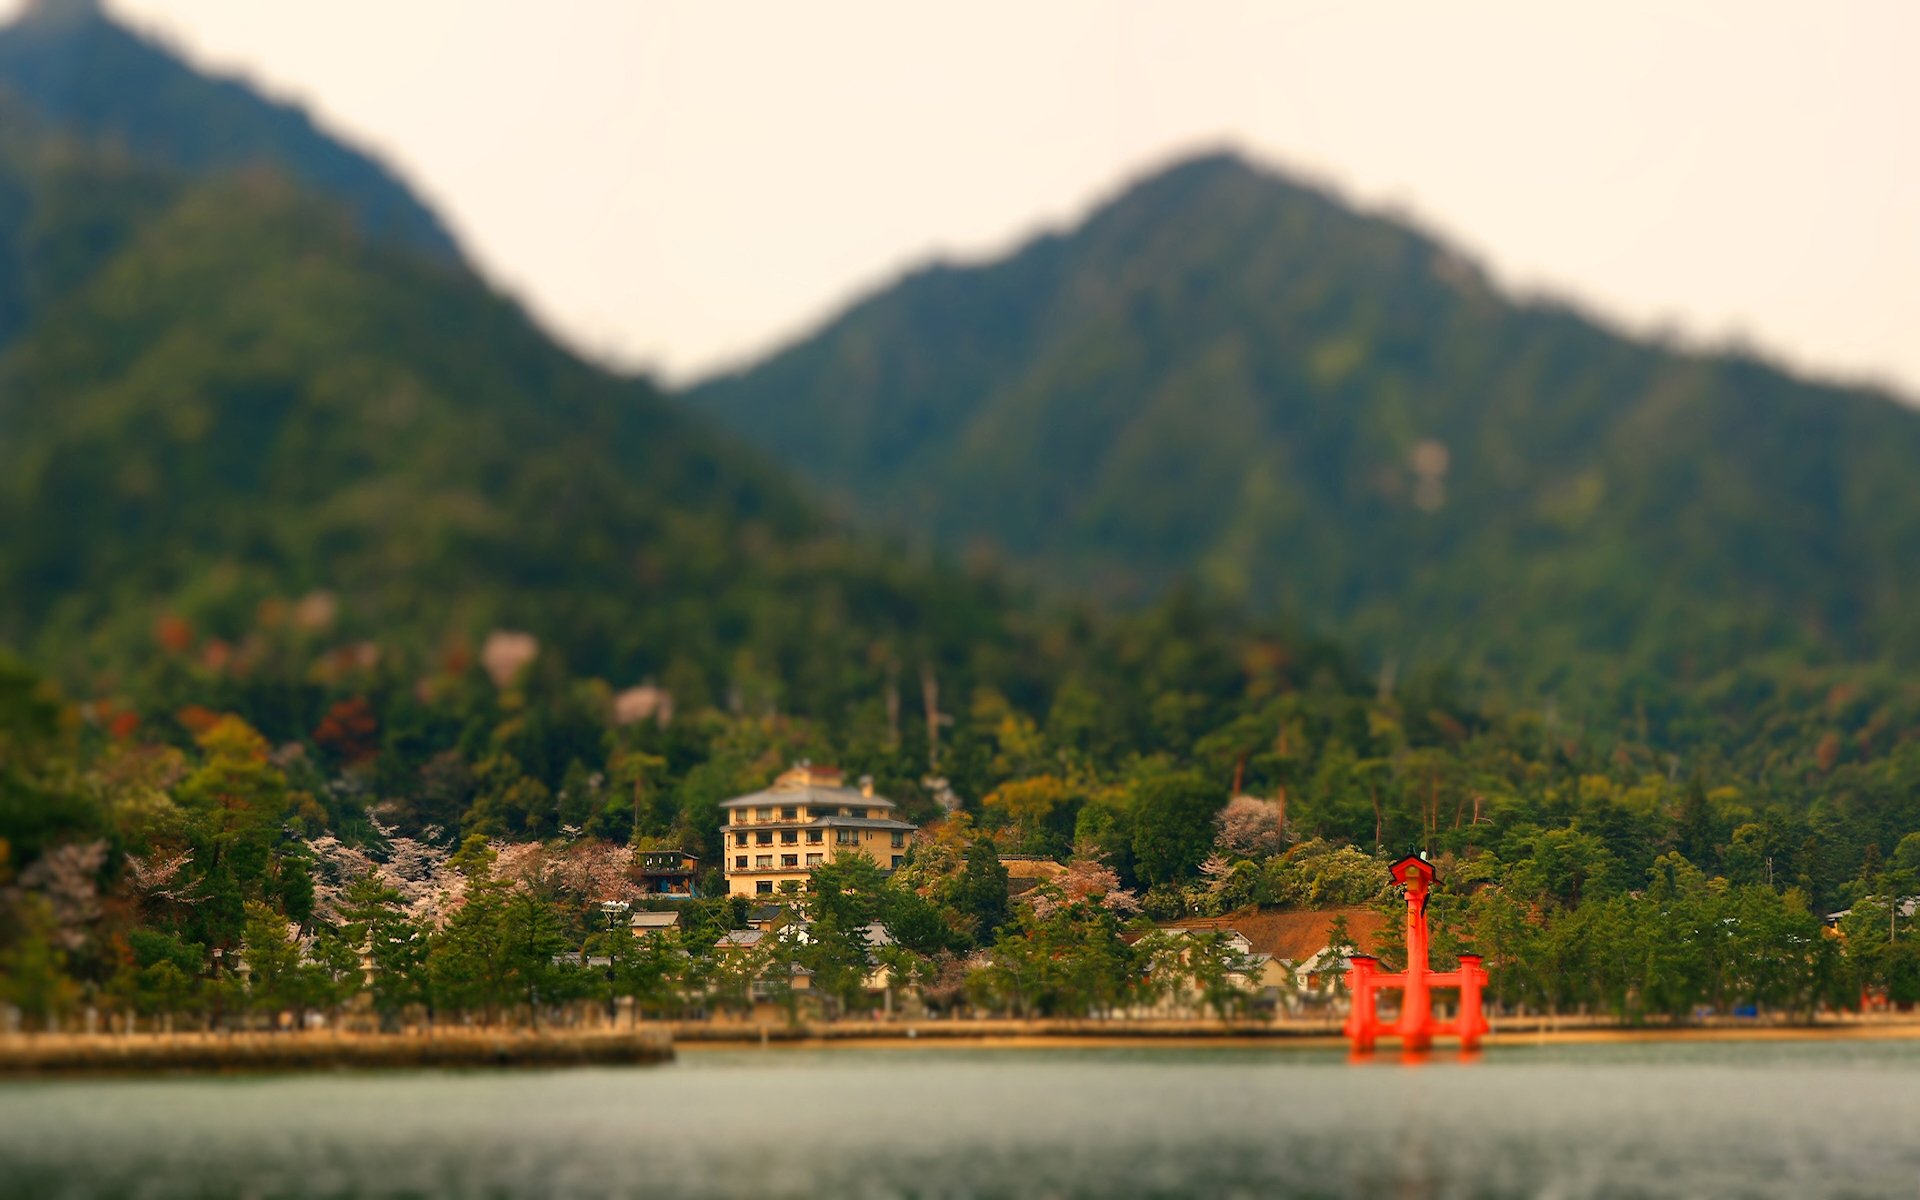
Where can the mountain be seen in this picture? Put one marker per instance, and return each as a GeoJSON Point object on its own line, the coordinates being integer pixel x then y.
{"type": "Point", "coordinates": [222, 395]}
{"type": "Point", "coordinates": [83, 73]}
{"type": "Point", "coordinates": [1228, 376]}
{"type": "Point", "coordinates": [63, 211]}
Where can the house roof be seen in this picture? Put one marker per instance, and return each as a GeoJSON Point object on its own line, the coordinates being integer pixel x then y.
{"type": "Point", "coordinates": [654, 920]}
{"type": "Point", "coordinates": [1028, 871]}
{"type": "Point", "coordinates": [1292, 937]}
{"type": "Point", "coordinates": [572, 958]}
{"type": "Point", "coordinates": [741, 937]}
{"type": "Point", "coordinates": [1908, 906]}
{"type": "Point", "coordinates": [1031, 866]}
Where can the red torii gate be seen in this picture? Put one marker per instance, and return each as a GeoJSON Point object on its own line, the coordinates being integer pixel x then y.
{"type": "Point", "coordinates": [1416, 1027]}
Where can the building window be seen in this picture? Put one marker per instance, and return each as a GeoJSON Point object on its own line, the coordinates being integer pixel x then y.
{"type": "Point", "coordinates": [763, 861]}
{"type": "Point", "coordinates": [789, 860]}
{"type": "Point", "coordinates": [789, 813]}
{"type": "Point", "coordinates": [739, 839]}
{"type": "Point", "coordinates": [813, 860]}
{"type": "Point", "coordinates": [861, 813]}
{"type": "Point", "coordinates": [764, 837]}
{"type": "Point", "coordinates": [898, 859]}
{"type": "Point", "coordinates": [789, 837]}
{"type": "Point", "coordinates": [763, 887]}
{"type": "Point", "coordinates": [899, 839]}
{"type": "Point", "coordinates": [846, 837]}
{"type": "Point", "coordinates": [739, 862]}
{"type": "Point", "coordinates": [816, 836]}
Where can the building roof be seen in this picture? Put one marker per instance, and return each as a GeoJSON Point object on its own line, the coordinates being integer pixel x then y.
{"type": "Point", "coordinates": [1028, 871]}
{"type": "Point", "coordinates": [741, 938]}
{"type": "Point", "coordinates": [862, 823]}
{"type": "Point", "coordinates": [1292, 937]}
{"type": "Point", "coordinates": [1908, 906]}
{"type": "Point", "coordinates": [1031, 866]}
{"type": "Point", "coordinates": [654, 920]}
{"type": "Point", "coordinates": [834, 796]}
{"type": "Point", "coordinates": [808, 784]}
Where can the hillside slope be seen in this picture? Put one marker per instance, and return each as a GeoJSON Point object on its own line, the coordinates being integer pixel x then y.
{"type": "Point", "coordinates": [81, 73]}
{"type": "Point", "coordinates": [1225, 375]}
{"type": "Point", "coordinates": [223, 396]}
{"type": "Point", "coordinates": [64, 211]}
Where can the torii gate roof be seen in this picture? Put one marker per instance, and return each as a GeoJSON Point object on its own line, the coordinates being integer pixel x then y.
{"type": "Point", "coordinates": [1410, 866]}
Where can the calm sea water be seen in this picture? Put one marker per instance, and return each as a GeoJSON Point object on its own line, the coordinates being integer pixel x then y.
{"type": "Point", "coordinates": [1769, 1120]}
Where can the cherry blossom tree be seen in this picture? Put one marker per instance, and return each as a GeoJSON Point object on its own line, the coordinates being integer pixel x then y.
{"type": "Point", "coordinates": [68, 877]}
{"type": "Point", "coordinates": [1250, 827]}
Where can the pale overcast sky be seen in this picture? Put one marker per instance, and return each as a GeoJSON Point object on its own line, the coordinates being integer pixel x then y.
{"type": "Point", "coordinates": [681, 185]}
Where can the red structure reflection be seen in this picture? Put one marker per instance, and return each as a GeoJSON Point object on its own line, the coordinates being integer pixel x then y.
{"type": "Point", "coordinates": [1415, 1027]}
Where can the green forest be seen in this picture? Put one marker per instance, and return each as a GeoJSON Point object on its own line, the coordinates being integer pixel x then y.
{"type": "Point", "coordinates": [148, 842]}
{"type": "Point", "coordinates": [349, 615]}
{"type": "Point", "coordinates": [1228, 377]}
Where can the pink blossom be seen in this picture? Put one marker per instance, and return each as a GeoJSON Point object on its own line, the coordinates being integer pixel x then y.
{"type": "Point", "coordinates": [68, 876]}
{"type": "Point", "coordinates": [1250, 828]}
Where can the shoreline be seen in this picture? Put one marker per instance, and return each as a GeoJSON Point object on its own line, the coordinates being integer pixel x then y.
{"type": "Point", "coordinates": [150, 1054]}
{"type": "Point", "coordinates": [1043, 1034]}
{"type": "Point", "coordinates": [27, 1056]}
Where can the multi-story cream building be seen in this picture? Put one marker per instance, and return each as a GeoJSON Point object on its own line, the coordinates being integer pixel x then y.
{"type": "Point", "coordinates": [808, 817]}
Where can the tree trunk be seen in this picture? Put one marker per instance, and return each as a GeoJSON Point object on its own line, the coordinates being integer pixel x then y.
{"type": "Point", "coordinates": [893, 704]}
{"type": "Point", "coordinates": [930, 700]}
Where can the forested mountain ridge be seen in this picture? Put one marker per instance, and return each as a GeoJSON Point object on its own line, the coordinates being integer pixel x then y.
{"type": "Point", "coordinates": [222, 395]}
{"type": "Point", "coordinates": [65, 209]}
{"type": "Point", "coordinates": [1225, 375]}
{"type": "Point", "coordinates": [87, 75]}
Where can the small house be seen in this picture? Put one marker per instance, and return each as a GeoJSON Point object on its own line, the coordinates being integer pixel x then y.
{"type": "Point", "coordinates": [647, 924]}
{"type": "Point", "coordinates": [666, 874]}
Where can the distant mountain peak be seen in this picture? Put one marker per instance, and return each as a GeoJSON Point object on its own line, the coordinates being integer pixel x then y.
{"type": "Point", "coordinates": [1222, 164]}
{"type": "Point", "coordinates": [79, 70]}
{"type": "Point", "coordinates": [1207, 160]}
{"type": "Point", "coordinates": [55, 11]}
{"type": "Point", "coordinates": [1228, 373]}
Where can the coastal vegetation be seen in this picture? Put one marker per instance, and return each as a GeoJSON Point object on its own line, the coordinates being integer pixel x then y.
{"type": "Point", "coordinates": [449, 845]}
